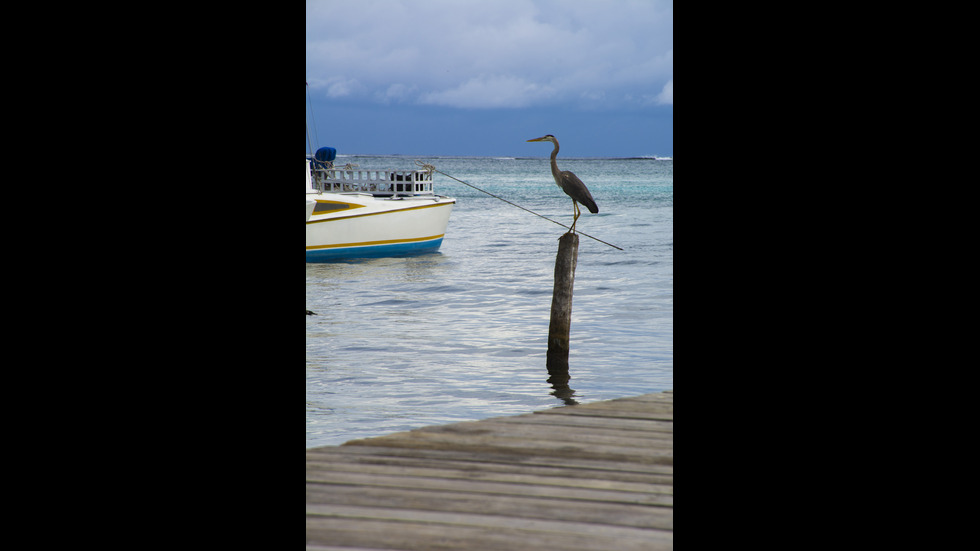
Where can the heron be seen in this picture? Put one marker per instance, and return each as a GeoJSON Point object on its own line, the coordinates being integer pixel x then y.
{"type": "Point", "coordinates": [569, 183]}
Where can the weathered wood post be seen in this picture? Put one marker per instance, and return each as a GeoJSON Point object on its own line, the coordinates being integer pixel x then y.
{"type": "Point", "coordinates": [561, 309]}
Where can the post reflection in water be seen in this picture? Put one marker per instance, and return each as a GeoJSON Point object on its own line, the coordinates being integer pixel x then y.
{"type": "Point", "coordinates": [559, 377]}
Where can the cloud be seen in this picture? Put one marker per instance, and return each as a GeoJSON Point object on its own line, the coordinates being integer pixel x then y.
{"type": "Point", "coordinates": [509, 53]}
{"type": "Point", "coordinates": [666, 97]}
{"type": "Point", "coordinates": [338, 88]}
{"type": "Point", "coordinates": [398, 93]}
{"type": "Point", "coordinates": [489, 92]}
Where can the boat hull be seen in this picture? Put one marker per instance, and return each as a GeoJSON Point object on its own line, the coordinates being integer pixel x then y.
{"type": "Point", "coordinates": [374, 250]}
{"type": "Point", "coordinates": [366, 227]}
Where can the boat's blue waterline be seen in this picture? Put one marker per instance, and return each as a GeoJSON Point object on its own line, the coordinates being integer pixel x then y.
{"type": "Point", "coordinates": [374, 251]}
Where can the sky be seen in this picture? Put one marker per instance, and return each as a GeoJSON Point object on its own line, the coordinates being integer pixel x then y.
{"type": "Point", "coordinates": [472, 77]}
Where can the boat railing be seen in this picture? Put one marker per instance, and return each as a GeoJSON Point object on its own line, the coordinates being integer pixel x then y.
{"type": "Point", "coordinates": [400, 183]}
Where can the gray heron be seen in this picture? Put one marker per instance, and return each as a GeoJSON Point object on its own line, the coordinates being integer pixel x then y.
{"type": "Point", "coordinates": [569, 183]}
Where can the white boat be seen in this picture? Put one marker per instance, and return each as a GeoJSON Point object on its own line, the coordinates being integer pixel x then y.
{"type": "Point", "coordinates": [372, 213]}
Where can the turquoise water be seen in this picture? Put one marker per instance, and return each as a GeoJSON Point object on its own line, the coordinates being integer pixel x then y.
{"type": "Point", "coordinates": [461, 334]}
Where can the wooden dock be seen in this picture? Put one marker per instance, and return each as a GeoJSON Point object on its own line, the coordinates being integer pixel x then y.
{"type": "Point", "coordinates": [596, 476]}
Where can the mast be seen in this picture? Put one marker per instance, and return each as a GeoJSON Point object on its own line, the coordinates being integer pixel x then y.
{"type": "Point", "coordinates": [308, 140]}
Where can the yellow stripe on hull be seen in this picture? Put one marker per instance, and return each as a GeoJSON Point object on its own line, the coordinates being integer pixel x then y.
{"type": "Point", "coordinates": [377, 213]}
{"type": "Point", "coordinates": [369, 243]}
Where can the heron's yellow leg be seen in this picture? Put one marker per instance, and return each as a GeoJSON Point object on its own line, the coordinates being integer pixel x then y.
{"type": "Point", "coordinates": [577, 213]}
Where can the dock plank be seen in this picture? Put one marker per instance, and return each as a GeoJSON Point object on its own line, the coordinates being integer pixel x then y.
{"type": "Point", "coordinates": [643, 426]}
{"type": "Point", "coordinates": [502, 460]}
{"type": "Point", "coordinates": [592, 476]}
{"type": "Point", "coordinates": [438, 536]}
{"type": "Point", "coordinates": [614, 413]}
{"type": "Point", "coordinates": [523, 506]}
{"type": "Point", "coordinates": [553, 432]}
{"type": "Point", "coordinates": [474, 434]}
{"type": "Point", "coordinates": [663, 496]}
{"type": "Point", "coordinates": [492, 471]}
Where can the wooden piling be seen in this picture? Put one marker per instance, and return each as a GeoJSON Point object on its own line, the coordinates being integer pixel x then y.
{"type": "Point", "coordinates": [561, 306]}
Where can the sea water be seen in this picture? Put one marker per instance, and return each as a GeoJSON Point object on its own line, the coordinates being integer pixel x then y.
{"type": "Point", "coordinates": [400, 343]}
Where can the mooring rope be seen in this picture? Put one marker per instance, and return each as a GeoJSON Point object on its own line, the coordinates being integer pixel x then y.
{"type": "Point", "coordinates": [432, 168]}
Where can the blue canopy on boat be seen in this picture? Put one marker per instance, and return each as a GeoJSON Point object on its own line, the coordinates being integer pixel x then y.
{"type": "Point", "coordinates": [325, 155]}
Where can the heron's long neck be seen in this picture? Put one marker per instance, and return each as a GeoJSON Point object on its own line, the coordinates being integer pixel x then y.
{"type": "Point", "coordinates": [554, 164]}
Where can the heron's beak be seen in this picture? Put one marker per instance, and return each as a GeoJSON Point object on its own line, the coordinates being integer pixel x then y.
{"type": "Point", "coordinates": [541, 139]}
